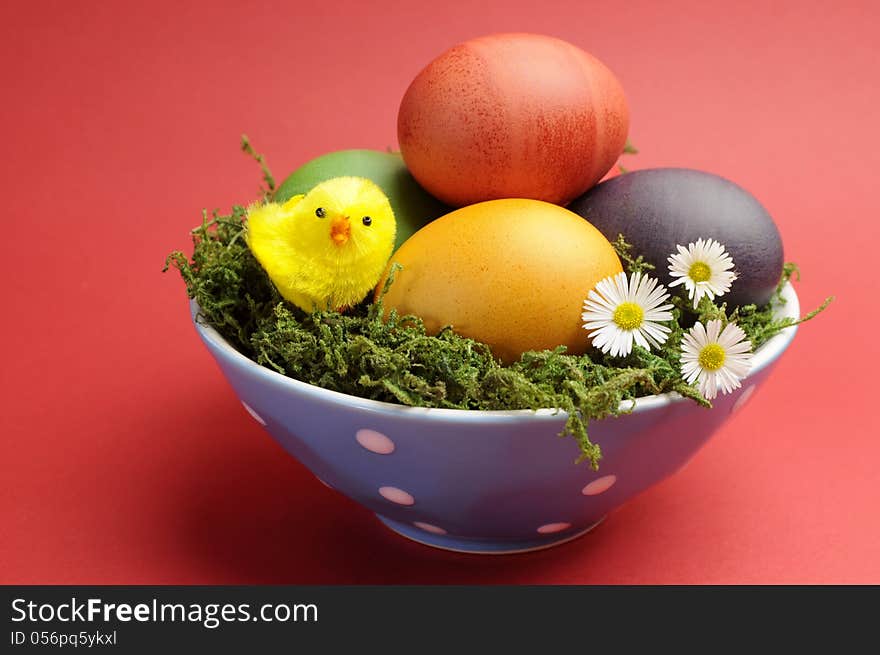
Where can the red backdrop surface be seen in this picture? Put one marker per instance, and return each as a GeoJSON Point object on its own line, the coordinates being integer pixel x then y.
{"type": "Point", "coordinates": [125, 455]}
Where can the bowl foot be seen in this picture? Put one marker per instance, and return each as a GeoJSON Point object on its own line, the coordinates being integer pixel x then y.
{"type": "Point", "coordinates": [462, 545]}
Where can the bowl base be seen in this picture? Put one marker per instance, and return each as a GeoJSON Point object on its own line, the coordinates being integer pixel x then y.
{"type": "Point", "coordinates": [475, 546]}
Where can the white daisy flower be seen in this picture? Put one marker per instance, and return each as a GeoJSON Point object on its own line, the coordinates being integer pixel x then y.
{"type": "Point", "coordinates": [620, 311]}
{"type": "Point", "coordinates": [716, 358]}
{"type": "Point", "coordinates": [704, 268]}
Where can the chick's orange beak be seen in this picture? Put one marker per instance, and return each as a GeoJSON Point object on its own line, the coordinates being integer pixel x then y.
{"type": "Point", "coordinates": [340, 230]}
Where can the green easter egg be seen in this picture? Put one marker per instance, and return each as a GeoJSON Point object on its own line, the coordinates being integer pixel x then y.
{"type": "Point", "coordinates": [413, 206]}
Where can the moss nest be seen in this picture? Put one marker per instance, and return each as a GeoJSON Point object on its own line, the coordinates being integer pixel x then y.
{"type": "Point", "coordinates": [395, 360]}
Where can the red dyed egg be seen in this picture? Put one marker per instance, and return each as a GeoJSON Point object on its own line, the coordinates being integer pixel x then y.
{"type": "Point", "coordinates": [512, 116]}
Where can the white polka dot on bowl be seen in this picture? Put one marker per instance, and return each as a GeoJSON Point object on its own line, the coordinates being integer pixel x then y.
{"type": "Point", "coordinates": [396, 495]}
{"type": "Point", "coordinates": [550, 528]}
{"type": "Point", "coordinates": [599, 485]}
{"type": "Point", "coordinates": [375, 442]}
{"type": "Point", "coordinates": [250, 410]}
{"type": "Point", "coordinates": [427, 527]}
{"type": "Point", "coordinates": [743, 399]}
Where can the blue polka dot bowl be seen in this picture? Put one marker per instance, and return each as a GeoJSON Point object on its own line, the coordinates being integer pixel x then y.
{"type": "Point", "coordinates": [475, 481]}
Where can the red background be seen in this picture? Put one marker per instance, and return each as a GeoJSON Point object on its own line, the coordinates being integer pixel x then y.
{"type": "Point", "coordinates": [126, 457]}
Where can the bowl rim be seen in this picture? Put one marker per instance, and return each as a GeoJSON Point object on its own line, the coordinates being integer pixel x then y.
{"type": "Point", "coordinates": [763, 357]}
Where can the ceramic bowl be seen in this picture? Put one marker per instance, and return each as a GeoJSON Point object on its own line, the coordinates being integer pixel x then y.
{"type": "Point", "coordinates": [480, 481]}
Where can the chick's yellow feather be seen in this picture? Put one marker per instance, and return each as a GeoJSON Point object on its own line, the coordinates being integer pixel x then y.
{"type": "Point", "coordinates": [328, 248]}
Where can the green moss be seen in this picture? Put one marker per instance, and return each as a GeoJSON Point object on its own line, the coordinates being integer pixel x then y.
{"type": "Point", "coordinates": [394, 360]}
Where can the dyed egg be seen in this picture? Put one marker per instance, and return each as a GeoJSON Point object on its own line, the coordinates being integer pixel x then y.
{"type": "Point", "coordinates": [656, 209]}
{"type": "Point", "coordinates": [510, 273]}
{"type": "Point", "coordinates": [512, 116]}
{"type": "Point", "coordinates": [412, 205]}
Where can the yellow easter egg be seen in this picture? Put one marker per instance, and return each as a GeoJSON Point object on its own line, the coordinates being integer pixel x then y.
{"type": "Point", "coordinates": [510, 273]}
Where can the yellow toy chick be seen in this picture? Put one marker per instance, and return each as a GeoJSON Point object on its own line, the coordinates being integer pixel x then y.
{"type": "Point", "coordinates": [328, 248]}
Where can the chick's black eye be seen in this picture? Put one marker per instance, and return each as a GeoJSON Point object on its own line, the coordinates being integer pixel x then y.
{"type": "Point", "coordinates": [366, 220]}
{"type": "Point", "coordinates": [320, 213]}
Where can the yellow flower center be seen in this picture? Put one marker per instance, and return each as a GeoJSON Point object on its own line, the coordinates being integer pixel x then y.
{"type": "Point", "coordinates": [712, 357]}
{"type": "Point", "coordinates": [628, 316]}
{"type": "Point", "coordinates": [700, 272]}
